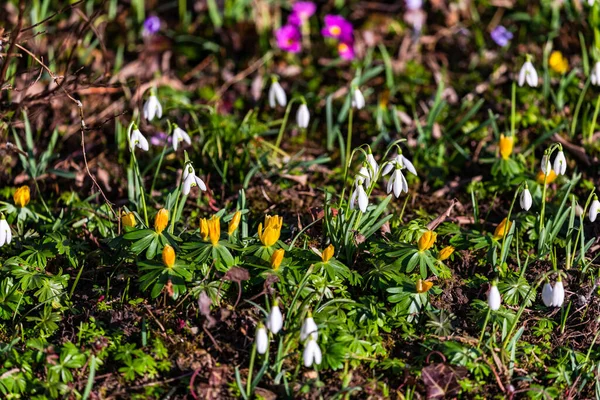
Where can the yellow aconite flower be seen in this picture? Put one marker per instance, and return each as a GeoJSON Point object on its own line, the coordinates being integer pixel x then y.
{"type": "Point", "coordinates": [161, 220]}
{"type": "Point", "coordinates": [277, 258]}
{"type": "Point", "coordinates": [22, 196]}
{"type": "Point", "coordinates": [203, 228]}
{"type": "Point", "coordinates": [551, 177]}
{"type": "Point", "coordinates": [168, 256]}
{"type": "Point", "coordinates": [506, 146]}
{"type": "Point", "coordinates": [214, 230]}
{"type": "Point", "coordinates": [427, 240]}
{"type": "Point", "coordinates": [558, 62]}
{"type": "Point", "coordinates": [445, 253]}
{"type": "Point", "coordinates": [328, 253]}
{"type": "Point", "coordinates": [502, 229]}
{"type": "Point", "coordinates": [269, 235]}
{"type": "Point", "coordinates": [235, 222]}
{"type": "Point", "coordinates": [423, 286]}
{"type": "Point", "coordinates": [128, 219]}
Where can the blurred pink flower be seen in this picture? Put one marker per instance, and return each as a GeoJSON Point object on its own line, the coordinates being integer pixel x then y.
{"type": "Point", "coordinates": [301, 12]}
{"type": "Point", "coordinates": [338, 27]}
{"type": "Point", "coordinates": [289, 38]}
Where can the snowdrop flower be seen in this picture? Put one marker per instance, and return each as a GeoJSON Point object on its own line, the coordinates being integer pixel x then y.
{"type": "Point", "coordinates": [190, 180]}
{"type": "Point", "coordinates": [560, 163]}
{"type": "Point", "coordinates": [558, 294]}
{"type": "Point", "coordinates": [277, 95]}
{"type": "Point", "coordinates": [595, 75]}
{"type": "Point", "coordinates": [179, 135]}
{"type": "Point", "coordinates": [494, 299]}
{"type": "Point", "coordinates": [594, 209]}
{"type": "Point", "coordinates": [5, 233]}
{"type": "Point", "coordinates": [403, 162]}
{"type": "Point", "coordinates": [358, 100]}
{"type": "Point", "coordinates": [152, 108]}
{"type": "Point", "coordinates": [365, 174]}
{"type": "Point", "coordinates": [137, 139]}
{"type": "Point", "coordinates": [275, 318]}
{"type": "Point", "coordinates": [303, 116]}
{"type": "Point", "coordinates": [525, 200]}
{"type": "Point", "coordinates": [591, 2]}
{"type": "Point", "coordinates": [361, 196]}
{"type": "Point", "coordinates": [262, 340]}
{"type": "Point", "coordinates": [547, 294]}
{"type": "Point", "coordinates": [309, 328]}
{"type": "Point", "coordinates": [312, 353]}
{"type": "Point", "coordinates": [397, 182]}
{"type": "Point", "coordinates": [373, 164]}
{"type": "Point", "coordinates": [546, 166]}
{"type": "Point", "coordinates": [528, 74]}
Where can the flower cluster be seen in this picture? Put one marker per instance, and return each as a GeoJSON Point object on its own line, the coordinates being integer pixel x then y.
{"type": "Point", "coordinates": [289, 36]}
{"type": "Point", "coordinates": [339, 28]}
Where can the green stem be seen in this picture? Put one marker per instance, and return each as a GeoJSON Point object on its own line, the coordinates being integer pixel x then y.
{"type": "Point", "coordinates": [42, 198]}
{"type": "Point", "coordinates": [284, 123]}
{"type": "Point", "coordinates": [250, 370]}
{"type": "Point", "coordinates": [349, 139]}
{"type": "Point", "coordinates": [487, 318]}
{"type": "Point", "coordinates": [141, 186]}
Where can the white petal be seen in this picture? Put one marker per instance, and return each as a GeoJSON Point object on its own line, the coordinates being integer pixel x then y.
{"type": "Point", "coordinates": [494, 299]}
{"type": "Point", "coordinates": [547, 294]}
{"type": "Point", "coordinates": [142, 142]}
{"type": "Point", "coordinates": [317, 353]}
{"type": "Point", "coordinates": [404, 183]}
{"type": "Point", "coordinates": [388, 168]}
{"type": "Point", "coordinates": [409, 165]}
{"type": "Point", "coordinates": [262, 340]}
{"type": "Point", "coordinates": [186, 138]}
{"type": "Point", "coordinates": [3, 225]}
{"type": "Point", "coordinates": [558, 294]}
{"type": "Point", "coordinates": [358, 100]}
{"type": "Point", "coordinates": [526, 200]}
{"type": "Point", "coordinates": [354, 197]}
{"type": "Point", "coordinates": [546, 167]}
{"type": "Point", "coordinates": [200, 183]}
{"type": "Point", "coordinates": [522, 74]}
{"type": "Point", "coordinates": [272, 103]}
{"type": "Point", "coordinates": [398, 184]}
{"type": "Point", "coordinates": [8, 234]}
{"type": "Point", "coordinates": [187, 184]}
{"type": "Point", "coordinates": [176, 140]}
{"type": "Point", "coordinates": [532, 76]}
{"type": "Point", "coordinates": [363, 200]}
{"type": "Point", "coordinates": [309, 327]}
{"type": "Point", "coordinates": [374, 166]}
{"type": "Point", "coordinates": [158, 109]}
{"type": "Point", "coordinates": [275, 320]}
{"type": "Point", "coordinates": [308, 354]}
{"type": "Point", "coordinates": [560, 163]}
{"type": "Point", "coordinates": [303, 116]}
{"type": "Point", "coordinates": [594, 209]}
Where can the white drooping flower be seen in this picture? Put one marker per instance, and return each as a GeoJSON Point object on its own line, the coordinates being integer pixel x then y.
{"type": "Point", "coordinates": [190, 180]}
{"type": "Point", "coordinates": [303, 116]}
{"type": "Point", "coordinates": [152, 108]}
{"type": "Point", "coordinates": [494, 299]}
{"type": "Point", "coordinates": [591, 2]}
{"type": "Point", "coordinates": [277, 95]}
{"type": "Point", "coordinates": [402, 161]}
{"type": "Point", "coordinates": [525, 200]}
{"type": "Point", "coordinates": [5, 233]}
{"type": "Point", "coordinates": [312, 353]}
{"type": "Point", "coordinates": [547, 294]}
{"type": "Point", "coordinates": [309, 327]}
{"type": "Point", "coordinates": [546, 166]}
{"type": "Point", "coordinates": [364, 175]}
{"type": "Point", "coordinates": [374, 166]}
{"type": "Point", "coordinates": [560, 163]}
{"type": "Point", "coordinates": [262, 339]}
{"type": "Point", "coordinates": [595, 75]}
{"type": "Point", "coordinates": [558, 294]}
{"type": "Point", "coordinates": [594, 209]}
{"type": "Point", "coordinates": [358, 100]}
{"type": "Point", "coordinates": [528, 74]}
{"type": "Point", "coordinates": [179, 135]}
{"type": "Point", "coordinates": [397, 182]}
{"type": "Point", "coordinates": [137, 139]}
{"type": "Point", "coordinates": [275, 318]}
{"type": "Point", "coordinates": [359, 195]}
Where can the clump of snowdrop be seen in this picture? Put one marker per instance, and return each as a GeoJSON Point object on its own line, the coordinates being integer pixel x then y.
{"type": "Point", "coordinates": [179, 135]}
{"type": "Point", "coordinates": [494, 299]}
{"type": "Point", "coordinates": [525, 200]}
{"type": "Point", "coordinates": [190, 180]}
{"type": "Point", "coordinates": [277, 95]}
{"type": "Point", "coordinates": [402, 161]}
{"type": "Point", "coordinates": [136, 139]}
{"type": "Point", "coordinates": [275, 318]}
{"type": "Point", "coordinates": [312, 351]}
{"type": "Point", "coordinates": [358, 100]}
{"type": "Point", "coordinates": [528, 74]}
{"type": "Point", "coordinates": [595, 75]}
{"type": "Point", "coordinates": [359, 196]}
{"type": "Point", "coordinates": [594, 209]}
{"type": "Point", "coordinates": [553, 296]}
{"type": "Point", "coordinates": [560, 163]}
{"type": "Point", "coordinates": [5, 233]}
{"type": "Point", "coordinates": [152, 108]}
{"type": "Point", "coordinates": [303, 116]}
{"type": "Point", "coordinates": [262, 339]}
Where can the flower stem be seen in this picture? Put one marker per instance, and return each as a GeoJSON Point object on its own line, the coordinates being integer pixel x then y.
{"type": "Point", "coordinates": [487, 318]}
{"type": "Point", "coordinates": [141, 187]}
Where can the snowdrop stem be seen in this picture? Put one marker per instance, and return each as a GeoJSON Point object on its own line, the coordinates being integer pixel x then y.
{"type": "Point", "coordinates": [39, 193]}
{"type": "Point", "coordinates": [349, 139]}
{"type": "Point", "coordinates": [594, 119]}
{"type": "Point", "coordinates": [571, 259]}
{"type": "Point", "coordinates": [487, 318]}
{"type": "Point", "coordinates": [506, 230]}
{"type": "Point", "coordinates": [162, 156]}
{"type": "Point", "coordinates": [177, 201]}
{"type": "Point", "coordinates": [513, 113]}
{"type": "Point", "coordinates": [286, 116]}
{"type": "Point", "coordinates": [140, 187]}
{"type": "Point", "coordinates": [250, 370]}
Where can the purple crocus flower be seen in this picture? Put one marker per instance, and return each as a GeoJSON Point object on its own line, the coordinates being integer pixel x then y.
{"type": "Point", "coordinates": [151, 25]}
{"type": "Point", "coordinates": [346, 50]}
{"type": "Point", "coordinates": [289, 38]}
{"type": "Point", "coordinates": [338, 27]}
{"type": "Point", "coordinates": [301, 12]}
{"type": "Point", "coordinates": [414, 5]}
{"type": "Point", "coordinates": [501, 35]}
{"type": "Point", "coordinates": [159, 139]}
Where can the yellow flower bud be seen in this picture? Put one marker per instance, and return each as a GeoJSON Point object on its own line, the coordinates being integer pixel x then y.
{"type": "Point", "coordinates": [22, 196]}
{"type": "Point", "coordinates": [558, 62]}
{"type": "Point", "coordinates": [506, 146]}
{"type": "Point", "coordinates": [423, 286]}
{"type": "Point", "coordinates": [214, 230]}
{"type": "Point", "coordinates": [203, 228]}
{"type": "Point", "coordinates": [445, 253]}
{"type": "Point", "coordinates": [128, 219]}
{"type": "Point", "coordinates": [551, 177]}
{"type": "Point", "coordinates": [235, 222]}
{"type": "Point", "coordinates": [272, 230]}
{"type": "Point", "coordinates": [427, 240]}
{"type": "Point", "coordinates": [502, 229]}
{"type": "Point", "coordinates": [168, 256]}
{"type": "Point", "coordinates": [277, 258]}
{"type": "Point", "coordinates": [328, 253]}
{"type": "Point", "coordinates": [161, 220]}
